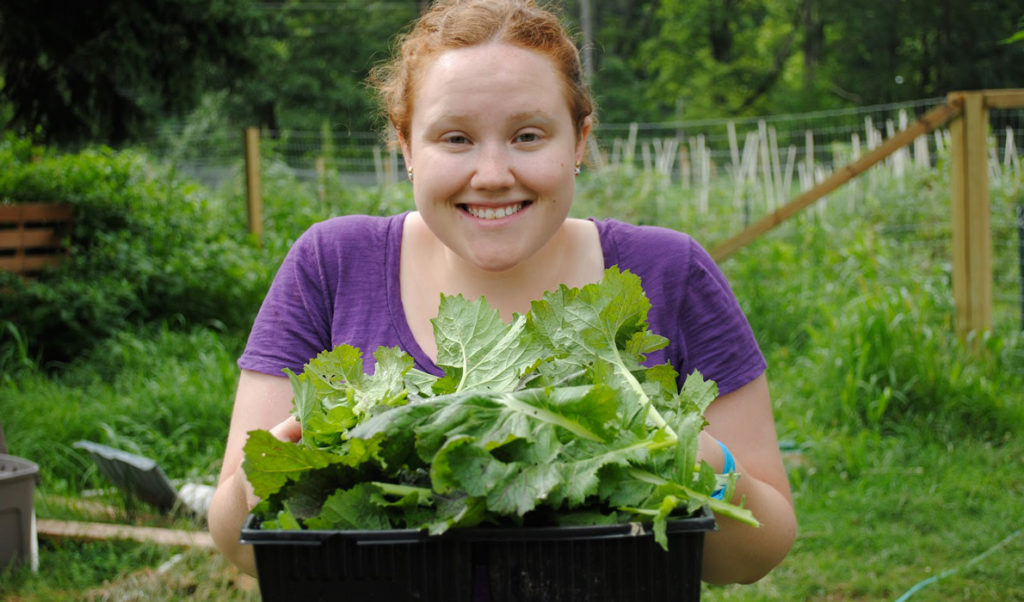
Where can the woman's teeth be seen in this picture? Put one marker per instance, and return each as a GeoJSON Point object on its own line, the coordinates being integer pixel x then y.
{"type": "Point", "coordinates": [494, 212]}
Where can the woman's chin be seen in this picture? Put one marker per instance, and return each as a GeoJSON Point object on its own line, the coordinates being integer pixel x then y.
{"type": "Point", "coordinates": [496, 260]}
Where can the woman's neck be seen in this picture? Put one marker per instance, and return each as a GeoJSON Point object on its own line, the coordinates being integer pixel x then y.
{"type": "Point", "coordinates": [572, 257]}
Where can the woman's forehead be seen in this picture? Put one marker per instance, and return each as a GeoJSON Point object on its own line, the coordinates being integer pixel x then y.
{"type": "Point", "coordinates": [492, 73]}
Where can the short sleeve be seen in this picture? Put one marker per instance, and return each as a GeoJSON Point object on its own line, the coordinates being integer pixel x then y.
{"type": "Point", "coordinates": [294, 322]}
{"type": "Point", "coordinates": [692, 303]}
{"type": "Point", "coordinates": [717, 337]}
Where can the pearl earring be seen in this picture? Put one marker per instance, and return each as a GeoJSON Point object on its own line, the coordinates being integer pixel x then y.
{"type": "Point", "coordinates": [577, 170]}
{"type": "Point", "coordinates": [409, 173]}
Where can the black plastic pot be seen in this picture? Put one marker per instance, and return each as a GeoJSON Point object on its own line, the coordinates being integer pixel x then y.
{"type": "Point", "coordinates": [594, 563]}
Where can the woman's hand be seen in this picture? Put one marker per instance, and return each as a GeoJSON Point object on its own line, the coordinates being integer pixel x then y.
{"type": "Point", "coordinates": [288, 430]}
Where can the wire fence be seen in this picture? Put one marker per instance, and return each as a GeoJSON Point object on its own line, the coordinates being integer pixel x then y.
{"type": "Point", "coordinates": [1006, 170]}
{"type": "Point", "coordinates": [720, 173]}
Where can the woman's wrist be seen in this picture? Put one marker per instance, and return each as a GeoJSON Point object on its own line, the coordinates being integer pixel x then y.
{"type": "Point", "coordinates": [728, 466]}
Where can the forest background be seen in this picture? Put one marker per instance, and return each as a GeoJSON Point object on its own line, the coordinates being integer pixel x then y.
{"type": "Point", "coordinates": [115, 72]}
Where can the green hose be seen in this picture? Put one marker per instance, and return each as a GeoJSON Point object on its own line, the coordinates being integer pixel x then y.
{"type": "Point", "coordinates": [948, 572]}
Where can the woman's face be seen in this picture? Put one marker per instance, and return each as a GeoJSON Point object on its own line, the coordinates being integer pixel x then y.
{"type": "Point", "coordinates": [493, 151]}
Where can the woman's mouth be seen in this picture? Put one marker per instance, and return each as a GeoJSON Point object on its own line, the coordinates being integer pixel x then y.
{"type": "Point", "coordinates": [488, 212]}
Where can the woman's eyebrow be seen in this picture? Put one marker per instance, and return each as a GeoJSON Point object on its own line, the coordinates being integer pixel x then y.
{"type": "Point", "coordinates": [462, 119]}
{"type": "Point", "coordinates": [529, 115]}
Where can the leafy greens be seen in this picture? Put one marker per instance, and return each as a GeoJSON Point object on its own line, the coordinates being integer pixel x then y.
{"type": "Point", "coordinates": [551, 419]}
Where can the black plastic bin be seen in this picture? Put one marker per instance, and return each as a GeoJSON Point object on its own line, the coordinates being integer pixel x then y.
{"type": "Point", "coordinates": [595, 563]}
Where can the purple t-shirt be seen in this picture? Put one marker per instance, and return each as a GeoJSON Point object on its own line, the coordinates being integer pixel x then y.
{"type": "Point", "coordinates": [339, 284]}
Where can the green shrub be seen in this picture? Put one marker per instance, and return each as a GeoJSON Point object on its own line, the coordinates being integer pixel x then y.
{"type": "Point", "coordinates": [145, 246]}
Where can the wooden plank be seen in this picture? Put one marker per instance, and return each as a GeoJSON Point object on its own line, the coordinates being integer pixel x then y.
{"type": "Point", "coordinates": [89, 508]}
{"type": "Point", "coordinates": [30, 238]}
{"type": "Point", "coordinates": [38, 227]}
{"type": "Point", "coordinates": [10, 214]}
{"type": "Point", "coordinates": [46, 212]}
{"type": "Point", "coordinates": [27, 263]}
{"type": "Point", "coordinates": [89, 531]}
{"type": "Point", "coordinates": [924, 124]}
{"type": "Point", "coordinates": [1004, 99]}
{"type": "Point", "coordinates": [35, 212]}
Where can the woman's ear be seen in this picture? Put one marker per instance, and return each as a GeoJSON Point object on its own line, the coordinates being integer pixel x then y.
{"type": "Point", "coordinates": [581, 144]}
{"type": "Point", "coordinates": [406, 150]}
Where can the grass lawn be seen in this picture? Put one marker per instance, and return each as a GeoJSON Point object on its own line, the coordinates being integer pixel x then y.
{"type": "Point", "coordinates": [915, 512]}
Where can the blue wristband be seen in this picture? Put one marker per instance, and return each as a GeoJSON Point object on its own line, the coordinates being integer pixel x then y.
{"type": "Point", "coordinates": [730, 466]}
{"type": "Point", "coordinates": [730, 463]}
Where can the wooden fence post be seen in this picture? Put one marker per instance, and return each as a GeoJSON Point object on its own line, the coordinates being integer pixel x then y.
{"type": "Point", "coordinates": [253, 197]}
{"type": "Point", "coordinates": [1020, 258]}
{"type": "Point", "coordinates": [972, 233]}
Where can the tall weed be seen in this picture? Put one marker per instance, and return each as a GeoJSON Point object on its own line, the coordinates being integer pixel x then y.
{"type": "Point", "coordinates": [159, 392]}
{"type": "Point", "coordinates": [14, 353]}
{"type": "Point", "coordinates": [894, 369]}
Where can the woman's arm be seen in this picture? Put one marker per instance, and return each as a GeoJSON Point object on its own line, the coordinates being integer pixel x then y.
{"type": "Point", "coordinates": [261, 402]}
{"type": "Point", "coordinates": [738, 553]}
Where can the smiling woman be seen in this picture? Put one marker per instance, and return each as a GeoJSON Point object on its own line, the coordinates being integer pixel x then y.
{"type": "Point", "coordinates": [488, 102]}
{"type": "Point", "coordinates": [492, 143]}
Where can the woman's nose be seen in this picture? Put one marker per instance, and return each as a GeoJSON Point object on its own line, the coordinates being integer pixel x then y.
{"type": "Point", "coordinates": [493, 169]}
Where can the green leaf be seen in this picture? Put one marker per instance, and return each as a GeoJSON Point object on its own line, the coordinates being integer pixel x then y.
{"type": "Point", "coordinates": [337, 375]}
{"type": "Point", "coordinates": [462, 466]}
{"type": "Point", "coordinates": [270, 463]}
{"type": "Point", "coordinates": [339, 369]}
{"type": "Point", "coordinates": [477, 347]}
{"type": "Point", "coordinates": [542, 416]}
{"type": "Point", "coordinates": [304, 399]}
{"type": "Point", "coordinates": [355, 508]}
{"type": "Point", "coordinates": [324, 428]}
{"type": "Point", "coordinates": [698, 391]}
{"type": "Point", "coordinates": [579, 480]}
{"type": "Point", "coordinates": [605, 321]}
{"type": "Point", "coordinates": [523, 489]}
{"type": "Point", "coordinates": [288, 521]}
{"type": "Point", "coordinates": [456, 511]}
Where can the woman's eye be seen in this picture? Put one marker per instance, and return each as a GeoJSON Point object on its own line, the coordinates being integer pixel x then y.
{"type": "Point", "coordinates": [456, 139]}
{"type": "Point", "coordinates": [527, 137]}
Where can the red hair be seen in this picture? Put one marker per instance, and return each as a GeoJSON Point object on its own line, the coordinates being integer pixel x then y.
{"type": "Point", "coordinates": [453, 24]}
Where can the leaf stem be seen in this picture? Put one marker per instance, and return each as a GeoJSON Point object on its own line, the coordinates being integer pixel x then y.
{"type": "Point", "coordinates": [717, 506]}
{"type": "Point", "coordinates": [514, 403]}
{"type": "Point", "coordinates": [424, 494]}
{"type": "Point", "coordinates": [645, 401]}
